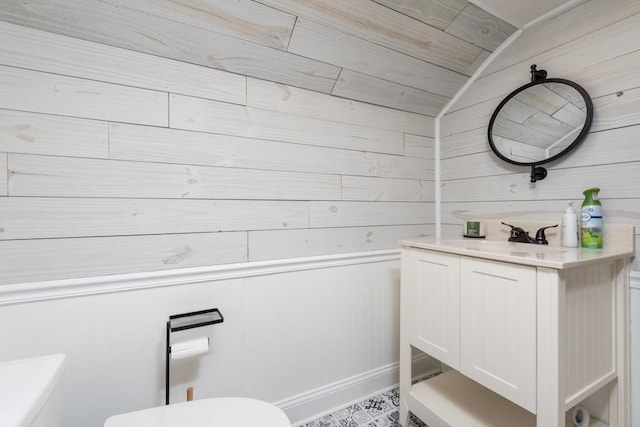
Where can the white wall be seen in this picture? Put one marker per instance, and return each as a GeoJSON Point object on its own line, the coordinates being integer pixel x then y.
{"type": "Point", "coordinates": [594, 45]}
{"type": "Point", "coordinates": [308, 335]}
{"type": "Point", "coordinates": [118, 162]}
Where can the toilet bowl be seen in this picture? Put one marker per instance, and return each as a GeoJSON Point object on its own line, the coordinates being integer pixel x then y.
{"type": "Point", "coordinates": [30, 395]}
{"type": "Point", "coordinates": [220, 411]}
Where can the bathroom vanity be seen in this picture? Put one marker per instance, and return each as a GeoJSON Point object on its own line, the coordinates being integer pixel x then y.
{"type": "Point", "coordinates": [529, 331]}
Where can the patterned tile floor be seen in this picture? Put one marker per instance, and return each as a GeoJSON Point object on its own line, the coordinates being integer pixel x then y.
{"type": "Point", "coordinates": [377, 411]}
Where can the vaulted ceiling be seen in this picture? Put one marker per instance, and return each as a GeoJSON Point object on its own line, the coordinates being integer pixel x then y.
{"type": "Point", "coordinates": [411, 55]}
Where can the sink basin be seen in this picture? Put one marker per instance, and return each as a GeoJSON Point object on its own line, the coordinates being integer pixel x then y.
{"type": "Point", "coordinates": [501, 246]}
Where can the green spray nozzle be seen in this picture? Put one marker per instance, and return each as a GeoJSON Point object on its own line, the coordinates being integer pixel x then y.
{"type": "Point", "coordinates": [591, 196]}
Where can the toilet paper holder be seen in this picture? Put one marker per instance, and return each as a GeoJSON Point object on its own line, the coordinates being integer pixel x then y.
{"type": "Point", "coordinates": [184, 321]}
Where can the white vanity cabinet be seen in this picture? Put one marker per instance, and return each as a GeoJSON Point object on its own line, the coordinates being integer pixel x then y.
{"type": "Point", "coordinates": [498, 329]}
{"type": "Point", "coordinates": [528, 331]}
{"type": "Point", "coordinates": [432, 304]}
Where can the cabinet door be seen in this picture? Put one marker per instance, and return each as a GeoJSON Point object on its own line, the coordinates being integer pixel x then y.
{"type": "Point", "coordinates": [431, 288]}
{"type": "Point", "coordinates": [498, 328]}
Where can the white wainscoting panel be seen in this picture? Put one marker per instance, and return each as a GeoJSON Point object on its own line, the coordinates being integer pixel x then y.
{"type": "Point", "coordinates": [273, 345]}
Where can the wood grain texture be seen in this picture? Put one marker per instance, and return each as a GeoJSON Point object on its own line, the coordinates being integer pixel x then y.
{"type": "Point", "coordinates": [139, 31]}
{"type": "Point", "coordinates": [471, 118]}
{"type": "Point", "coordinates": [385, 27]}
{"type": "Point", "coordinates": [604, 147]}
{"type": "Point", "coordinates": [588, 51]}
{"type": "Point", "coordinates": [46, 218]}
{"type": "Point", "coordinates": [482, 29]}
{"type": "Point", "coordinates": [3, 174]}
{"type": "Point", "coordinates": [567, 27]}
{"type": "Point", "coordinates": [480, 59]}
{"type": "Point", "coordinates": [150, 144]}
{"type": "Point", "coordinates": [559, 184]}
{"type": "Point", "coordinates": [436, 13]}
{"type": "Point", "coordinates": [486, 164]}
{"type": "Point", "coordinates": [32, 133]}
{"type": "Point", "coordinates": [387, 190]}
{"type": "Point", "coordinates": [611, 76]}
{"type": "Point", "coordinates": [217, 117]}
{"type": "Point", "coordinates": [326, 44]}
{"type": "Point", "coordinates": [243, 19]}
{"type": "Point", "coordinates": [49, 93]}
{"type": "Point", "coordinates": [460, 144]}
{"type": "Point", "coordinates": [348, 214]}
{"type": "Point", "coordinates": [617, 110]}
{"type": "Point", "coordinates": [324, 241]}
{"type": "Point", "coordinates": [592, 45]}
{"type": "Point", "coordinates": [39, 50]}
{"type": "Point", "coordinates": [301, 102]}
{"type": "Point", "coordinates": [69, 258]}
{"type": "Point", "coordinates": [618, 211]}
{"type": "Point", "coordinates": [68, 177]}
{"type": "Point", "coordinates": [363, 87]}
{"type": "Point", "coordinates": [406, 167]}
{"type": "Point", "coordinates": [419, 146]}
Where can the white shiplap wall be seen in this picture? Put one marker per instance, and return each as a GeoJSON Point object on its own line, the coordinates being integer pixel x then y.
{"type": "Point", "coordinates": [115, 161]}
{"type": "Point", "coordinates": [594, 44]}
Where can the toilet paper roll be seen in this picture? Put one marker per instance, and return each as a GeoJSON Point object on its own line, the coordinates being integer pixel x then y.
{"type": "Point", "coordinates": [580, 416]}
{"type": "Point", "coordinates": [185, 349]}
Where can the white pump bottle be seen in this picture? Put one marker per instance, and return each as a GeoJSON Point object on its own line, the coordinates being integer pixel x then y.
{"type": "Point", "coordinates": [570, 228]}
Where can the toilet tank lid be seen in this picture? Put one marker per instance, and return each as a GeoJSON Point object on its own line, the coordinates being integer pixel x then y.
{"type": "Point", "coordinates": [25, 387]}
{"type": "Point", "coordinates": [219, 411]}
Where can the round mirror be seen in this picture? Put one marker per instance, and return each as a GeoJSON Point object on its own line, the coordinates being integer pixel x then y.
{"type": "Point", "coordinates": [540, 121]}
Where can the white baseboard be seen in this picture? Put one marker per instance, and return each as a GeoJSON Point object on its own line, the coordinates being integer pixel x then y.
{"type": "Point", "coordinates": [322, 401]}
{"type": "Point", "coordinates": [327, 399]}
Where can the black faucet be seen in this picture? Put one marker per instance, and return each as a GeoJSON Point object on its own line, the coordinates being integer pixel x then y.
{"type": "Point", "coordinates": [517, 234]}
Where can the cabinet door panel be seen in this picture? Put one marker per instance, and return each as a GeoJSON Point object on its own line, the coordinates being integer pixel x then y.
{"type": "Point", "coordinates": [432, 286]}
{"type": "Point", "coordinates": [498, 328]}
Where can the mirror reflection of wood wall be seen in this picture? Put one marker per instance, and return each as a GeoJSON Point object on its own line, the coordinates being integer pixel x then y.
{"type": "Point", "coordinates": [539, 122]}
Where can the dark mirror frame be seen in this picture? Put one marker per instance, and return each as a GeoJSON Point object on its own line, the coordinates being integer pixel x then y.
{"type": "Point", "coordinates": [539, 77]}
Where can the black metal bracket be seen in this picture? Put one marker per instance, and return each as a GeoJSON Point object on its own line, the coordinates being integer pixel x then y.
{"type": "Point", "coordinates": [538, 173]}
{"type": "Point", "coordinates": [537, 75]}
{"type": "Point", "coordinates": [181, 322]}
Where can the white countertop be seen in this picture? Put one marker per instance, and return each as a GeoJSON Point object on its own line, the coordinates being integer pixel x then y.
{"type": "Point", "coordinates": [619, 243]}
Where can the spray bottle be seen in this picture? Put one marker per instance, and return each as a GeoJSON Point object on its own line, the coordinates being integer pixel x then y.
{"type": "Point", "coordinates": [591, 219]}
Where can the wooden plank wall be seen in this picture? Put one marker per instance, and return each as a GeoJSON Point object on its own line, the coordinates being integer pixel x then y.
{"type": "Point", "coordinates": [595, 45]}
{"type": "Point", "coordinates": [374, 52]}
{"type": "Point", "coordinates": [116, 161]}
